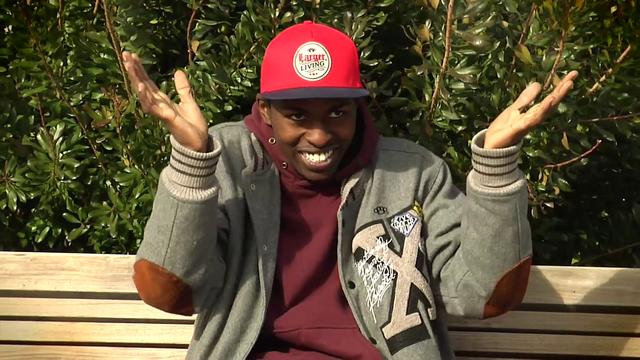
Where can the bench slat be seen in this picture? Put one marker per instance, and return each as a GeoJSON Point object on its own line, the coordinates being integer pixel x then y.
{"type": "Point", "coordinates": [545, 344]}
{"type": "Point", "coordinates": [554, 321]}
{"type": "Point", "coordinates": [134, 334]}
{"type": "Point", "coordinates": [175, 335]}
{"type": "Point", "coordinates": [84, 308]}
{"type": "Point", "coordinates": [21, 271]}
{"type": "Point", "coordinates": [21, 352]}
{"type": "Point", "coordinates": [136, 310]}
{"type": "Point", "coordinates": [66, 272]}
{"type": "Point", "coordinates": [495, 358]}
{"type": "Point", "coordinates": [587, 286]}
{"type": "Point", "coordinates": [58, 302]}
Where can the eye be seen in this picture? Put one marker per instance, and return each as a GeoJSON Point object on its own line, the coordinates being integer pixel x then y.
{"type": "Point", "coordinates": [336, 114]}
{"type": "Point", "coordinates": [296, 117]}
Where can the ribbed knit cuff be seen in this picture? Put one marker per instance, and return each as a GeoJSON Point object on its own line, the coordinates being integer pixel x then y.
{"type": "Point", "coordinates": [192, 169]}
{"type": "Point", "coordinates": [494, 167]}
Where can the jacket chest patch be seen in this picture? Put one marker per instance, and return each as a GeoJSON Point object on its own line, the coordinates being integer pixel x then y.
{"type": "Point", "coordinates": [382, 269]}
{"type": "Point", "coordinates": [380, 210]}
{"type": "Point", "coordinates": [374, 268]}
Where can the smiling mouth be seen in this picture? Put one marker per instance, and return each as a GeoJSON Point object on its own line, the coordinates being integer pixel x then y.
{"type": "Point", "coordinates": [316, 159]}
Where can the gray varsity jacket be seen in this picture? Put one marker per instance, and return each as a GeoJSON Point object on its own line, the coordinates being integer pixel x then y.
{"type": "Point", "coordinates": [411, 246]}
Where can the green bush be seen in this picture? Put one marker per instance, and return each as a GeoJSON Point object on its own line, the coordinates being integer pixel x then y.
{"type": "Point", "coordinates": [80, 161]}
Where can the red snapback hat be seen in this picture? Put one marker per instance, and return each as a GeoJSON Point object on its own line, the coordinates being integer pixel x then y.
{"type": "Point", "coordinates": [311, 60]}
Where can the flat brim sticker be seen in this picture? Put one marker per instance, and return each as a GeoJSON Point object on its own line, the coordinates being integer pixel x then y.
{"type": "Point", "coordinates": [312, 61]}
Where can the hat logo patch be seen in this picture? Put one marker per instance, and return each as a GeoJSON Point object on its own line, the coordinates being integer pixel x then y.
{"type": "Point", "coordinates": [312, 61]}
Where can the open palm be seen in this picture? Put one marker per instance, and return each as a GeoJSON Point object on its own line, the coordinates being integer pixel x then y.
{"type": "Point", "coordinates": [512, 124]}
{"type": "Point", "coordinates": [184, 120]}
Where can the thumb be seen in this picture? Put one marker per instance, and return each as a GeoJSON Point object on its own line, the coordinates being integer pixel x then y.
{"type": "Point", "coordinates": [183, 87]}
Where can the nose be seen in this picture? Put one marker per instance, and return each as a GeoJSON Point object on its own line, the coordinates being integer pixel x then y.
{"type": "Point", "coordinates": [318, 134]}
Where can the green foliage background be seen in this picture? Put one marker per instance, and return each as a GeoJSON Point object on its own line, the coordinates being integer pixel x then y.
{"type": "Point", "coordinates": [79, 162]}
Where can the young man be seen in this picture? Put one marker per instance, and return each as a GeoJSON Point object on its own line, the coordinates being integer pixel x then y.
{"type": "Point", "coordinates": [300, 233]}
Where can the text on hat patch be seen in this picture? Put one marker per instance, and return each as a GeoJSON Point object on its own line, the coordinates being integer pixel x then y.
{"type": "Point", "coordinates": [312, 61]}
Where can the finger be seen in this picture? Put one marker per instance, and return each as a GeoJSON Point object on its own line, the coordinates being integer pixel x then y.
{"type": "Point", "coordinates": [562, 88]}
{"type": "Point", "coordinates": [183, 87]}
{"type": "Point", "coordinates": [560, 92]}
{"type": "Point", "coordinates": [527, 96]}
{"type": "Point", "coordinates": [572, 75]}
{"type": "Point", "coordinates": [159, 108]}
{"type": "Point", "coordinates": [148, 100]}
{"type": "Point", "coordinates": [144, 98]}
{"type": "Point", "coordinates": [142, 77]}
{"type": "Point", "coordinates": [538, 112]}
{"type": "Point", "coordinates": [131, 72]}
{"type": "Point", "coordinates": [137, 74]}
{"type": "Point", "coordinates": [141, 74]}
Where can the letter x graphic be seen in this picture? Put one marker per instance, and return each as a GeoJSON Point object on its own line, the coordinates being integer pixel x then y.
{"type": "Point", "coordinates": [405, 267]}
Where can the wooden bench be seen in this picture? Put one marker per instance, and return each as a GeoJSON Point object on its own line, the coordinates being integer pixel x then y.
{"type": "Point", "coordinates": [84, 306]}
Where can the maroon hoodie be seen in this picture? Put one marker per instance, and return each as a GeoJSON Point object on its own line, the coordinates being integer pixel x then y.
{"type": "Point", "coordinates": [308, 316]}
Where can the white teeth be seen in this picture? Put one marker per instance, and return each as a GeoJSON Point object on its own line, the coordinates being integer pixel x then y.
{"type": "Point", "coordinates": [317, 157]}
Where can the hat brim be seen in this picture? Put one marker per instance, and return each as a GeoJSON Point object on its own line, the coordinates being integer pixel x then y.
{"type": "Point", "coordinates": [315, 93]}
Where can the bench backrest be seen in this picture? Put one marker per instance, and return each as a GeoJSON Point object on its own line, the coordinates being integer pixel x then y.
{"type": "Point", "coordinates": [85, 306]}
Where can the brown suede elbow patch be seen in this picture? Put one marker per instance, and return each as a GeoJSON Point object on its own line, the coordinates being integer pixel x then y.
{"type": "Point", "coordinates": [510, 290]}
{"type": "Point", "coordinates": [162, 289]}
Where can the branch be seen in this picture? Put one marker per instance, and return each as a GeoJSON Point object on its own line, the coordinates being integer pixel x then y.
{"type": "Point", "coordinates": [59, 90]}
{"type": "Point", "coordinates": [246, 55]}
{"type": "Point", "coordinates": [609, 72]}
{"type": "Point", "coordinates": [61, 15]}
{"type": "Point", "coordinates": [556, 61]}
{"type": "Point", "coordinates": [610, 118]}
{"type": "Point", "coordinates": [609, 252]}
{"type": "Point", "coordinates": [112, 95]}
{"type": "Point", "coordinates": [96, 6]}
{"type": "Point", "coordinates": [575, 159]}
{"type": "Point", "coordinates": [521, 41]}
{"type": "Point", "coordinates": [444, 65]}
{"type": "Point", "coordinates": [563, 36]}
{"type": "Point", "coordinates": [117, 47]}
{"type": "Point", "coordinates": [192, 19]}
{"type": "Point", "coordinates": [63, 96]}
{"type": "Point", "coordinates": [43, 124]}
{"type": "Point", "coordinates": [42, 120]}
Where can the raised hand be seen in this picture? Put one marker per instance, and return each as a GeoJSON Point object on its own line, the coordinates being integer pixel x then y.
{"type": "Point", "coordinates": [184, 120]}
{"type": "Point", "coordinates": [512, 124]}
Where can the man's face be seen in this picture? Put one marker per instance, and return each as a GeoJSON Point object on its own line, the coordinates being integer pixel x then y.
{"type": "Point", "coordinates": [312, 134]}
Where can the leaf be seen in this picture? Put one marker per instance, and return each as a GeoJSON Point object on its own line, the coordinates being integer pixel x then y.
{"type": "Point", "coordinates": [433, 3]}
{"type": "Point", "coordinates": [424, 33]}
{"type": "Point", "coordinates": [43, 234]}
{"type": "Point", "coordinates": [194, 45]}
{"type": "Point", "coordinates": [77, 232]}
{"type": "Point", "coordinates": [12, 199]}
{"type": "Point", "coordinates": [396, 102]}
{"type": "Point", "coordinates": [511, 5]}
{"type": "Point", "coordinates": [522, 52]}
{"type": "Point", "coordinates": [606, 134]}
{"type": "Point", "coordinates": [563, 184]}
{"type": "Point", "coordinates": [34, 91]}
{"type": "Point", "coordinates": [70, 218]}
{"type": "Point", "coordinates": [565, 141]}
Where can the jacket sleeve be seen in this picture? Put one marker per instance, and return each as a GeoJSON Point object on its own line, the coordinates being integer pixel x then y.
{"type": "Point", "coordinates": [479, 245]}
{"type": "Point", "coordinates": [178, 265]}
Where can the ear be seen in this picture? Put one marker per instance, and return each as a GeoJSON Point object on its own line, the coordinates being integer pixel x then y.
{"type": "Point", "coordinates": [265, 111]}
